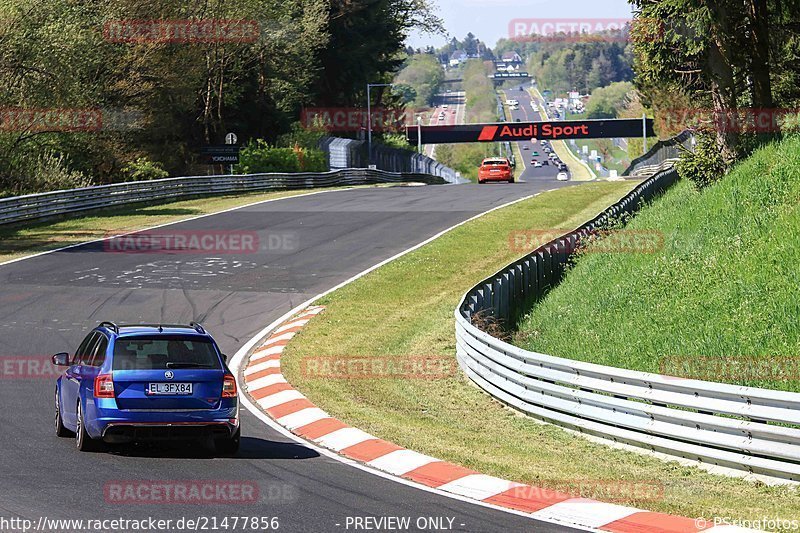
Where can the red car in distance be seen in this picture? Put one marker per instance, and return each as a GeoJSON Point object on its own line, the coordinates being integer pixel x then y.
{"type": "Point", "coordinates": [495, 169]}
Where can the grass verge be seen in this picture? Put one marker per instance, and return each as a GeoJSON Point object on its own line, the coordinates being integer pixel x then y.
{"type": "Point", "coordinates": [723, 291]}
{"type": "Point", "coordinates": [20, 240]}
{"type": "Point", "coordinates": [405, 310]}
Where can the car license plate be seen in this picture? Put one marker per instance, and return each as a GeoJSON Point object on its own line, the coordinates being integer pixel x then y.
{"type": "Point", "coordinates": [169, 389]}
{"type": "Point", "coordinates": [494, 171]}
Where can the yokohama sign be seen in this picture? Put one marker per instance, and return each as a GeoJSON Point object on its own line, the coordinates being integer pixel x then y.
{"type": "Point", "coordinates": [520, 131]}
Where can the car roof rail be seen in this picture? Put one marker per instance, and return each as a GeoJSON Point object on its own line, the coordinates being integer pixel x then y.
{"type": "Point", "coordinates": [197, 327]}
{"type": "Point", "coordinates": [110, 325]}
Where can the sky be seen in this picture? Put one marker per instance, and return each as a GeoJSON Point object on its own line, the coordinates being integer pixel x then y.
{"type": "Point", "coordinates": [489, 20]}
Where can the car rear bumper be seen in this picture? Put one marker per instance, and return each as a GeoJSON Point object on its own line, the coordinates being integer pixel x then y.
{"type": "Point", "coordinates": [116, 433]}
{"type": "Point", "coordinates": [119, 425]}
{"type": "Point", "coordinates": [495, 177]}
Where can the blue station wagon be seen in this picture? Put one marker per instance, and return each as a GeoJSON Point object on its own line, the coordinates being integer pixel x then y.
{"type": "Point", "coordinates": [131, 383]}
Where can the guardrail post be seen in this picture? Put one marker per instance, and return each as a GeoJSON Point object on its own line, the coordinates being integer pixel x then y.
{"type": "Point", "coordinates": [502, 302]}
{"type": "Point", "coordinates": [547, 268]}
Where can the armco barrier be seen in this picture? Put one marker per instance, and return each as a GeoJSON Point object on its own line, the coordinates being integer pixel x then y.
{"type": "Point", "coordinates": [661, 156]}
{"type": "Point", "coordinates": [49, 204]}
{"type": "Point", "coordinates": [745, 428]}
{"type": "Point", "coordinates": [350, 153]}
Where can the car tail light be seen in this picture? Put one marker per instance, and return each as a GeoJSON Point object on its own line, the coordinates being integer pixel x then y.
{"type": "Point", "coordinates": [229, 387]}
{"type": "Point", "coordinates": [104, 386]}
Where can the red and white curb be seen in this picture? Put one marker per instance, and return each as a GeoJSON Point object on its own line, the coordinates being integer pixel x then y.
{"type": "Point", "coordinates": [269, 389]}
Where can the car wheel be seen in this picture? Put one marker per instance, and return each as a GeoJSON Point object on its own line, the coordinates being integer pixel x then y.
{"type": "Point", "coordinates": [230, 445]}
{"type": "Point", "coordinates": [511, 180]}
{"type": "Point", "coordinates": [83, 441]}
{"type": "Point", "coordinates": [61, 430]}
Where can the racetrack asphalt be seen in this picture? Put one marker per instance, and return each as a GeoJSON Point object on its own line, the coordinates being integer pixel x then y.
{"type": "Point", "coordinates": [304, 246]}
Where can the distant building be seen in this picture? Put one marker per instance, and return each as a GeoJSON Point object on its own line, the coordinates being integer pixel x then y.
{"type": "Point", "coordinates": [512, 58]}
{"type": "Point", "coordinates": [458, 57]}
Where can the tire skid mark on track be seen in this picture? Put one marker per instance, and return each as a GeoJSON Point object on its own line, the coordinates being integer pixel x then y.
{"type": "Point", "coordinates": [292, 410]}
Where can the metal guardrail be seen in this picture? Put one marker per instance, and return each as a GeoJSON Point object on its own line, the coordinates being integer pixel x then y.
{"type": "Point", "coordinates": [745, 428]}
{"type": "Point", "coordinates": [50, 204]}
{"type": "Point", "coordinates": [645, 171]}
{"type": "Point", "coordinates": [350, 153]}
{"type": "Point", "coordinates": [663, 152]}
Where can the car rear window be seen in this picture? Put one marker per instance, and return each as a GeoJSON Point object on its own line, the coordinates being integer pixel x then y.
{"type": "Point", "coordinates": [163, 352]}
{"type": "Point", "coordinates": [495, 162]}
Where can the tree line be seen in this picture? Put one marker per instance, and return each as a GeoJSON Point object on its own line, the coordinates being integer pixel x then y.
{"type": "Point", "coordinates": [715, 66]}
{"type": "Point", "coordinates": [82, 96]}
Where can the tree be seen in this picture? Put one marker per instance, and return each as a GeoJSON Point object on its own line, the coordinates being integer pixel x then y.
{"type": "Point", "coordinates": [577, 65]}
{"type": "Point", "coordinates": [161, 101]}
{"type": "Point", "coordinates": [601, 73]}
{"type": "Point", "coordinates": [608, 102]}
{"type": "Point", "coordinates": [422, 75]}
{"type": "Point", "coordinates": [470, 44]}
{"type": "Point", "coordinates": [721, 54]}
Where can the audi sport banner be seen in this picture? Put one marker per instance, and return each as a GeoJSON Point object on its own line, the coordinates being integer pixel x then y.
{"type": "Point", "coordinates": [520, 131]}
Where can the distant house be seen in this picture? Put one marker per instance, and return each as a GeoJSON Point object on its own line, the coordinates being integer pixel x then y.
{"type": "Point", "coordinates": [457, 57]}
{"type": "Point", "coordinates": [512, 58]}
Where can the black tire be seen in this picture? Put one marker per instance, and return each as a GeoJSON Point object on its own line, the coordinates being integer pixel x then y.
{"type": "Point", "coordinates": [83, 441]}
{"type": "Point", "coordinates": [61, 430]}
{"type": "Point", "coordinates": [230, 445]}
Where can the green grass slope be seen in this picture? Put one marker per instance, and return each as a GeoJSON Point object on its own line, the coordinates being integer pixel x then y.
{"type": "Point", "coordinates": [720, 299]}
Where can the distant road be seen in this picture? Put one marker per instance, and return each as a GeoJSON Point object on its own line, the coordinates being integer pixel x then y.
{"type": "Point", "coordinates": [454, 114]}
{"type": "Point", "coordinates": [526, 114]}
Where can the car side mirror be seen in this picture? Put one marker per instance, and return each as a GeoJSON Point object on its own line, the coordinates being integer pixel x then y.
{"type": "Point", "coordinates": [225, 358]}
{"type": "Point", "coordinates": [61, 359]}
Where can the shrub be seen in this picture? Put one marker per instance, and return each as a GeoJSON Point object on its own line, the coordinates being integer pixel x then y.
{"type": "Point", "coordinates": [395, 140]}
{"type": "Point", "coordinates": [303, 135]}
{"type": "Point", "coordinates": [259, 156]}
{"type": "Point", "coordinates": [705, 164]}
{"type": "Point", "coordinates": [143, 170]}
{"type": "Point", "coordinates": [315, 161]}
{"type": "Point", "coordinates": [47, 171]}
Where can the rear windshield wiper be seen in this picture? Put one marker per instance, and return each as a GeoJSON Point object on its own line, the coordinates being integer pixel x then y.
{"type": "Point", "coordinates": [188, 365]}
